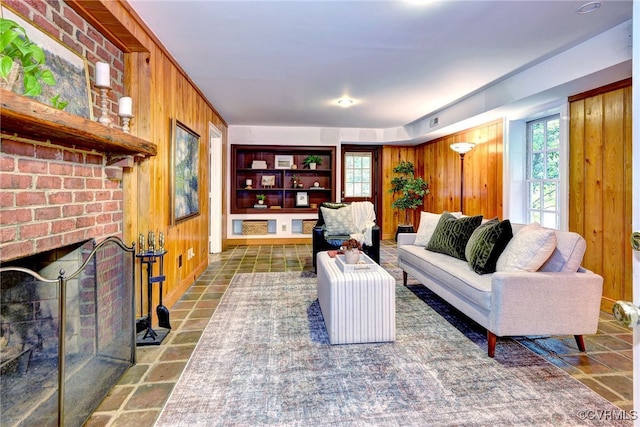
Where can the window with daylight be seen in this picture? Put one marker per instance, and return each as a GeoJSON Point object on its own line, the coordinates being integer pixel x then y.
{"type": "Point", "coordinates": [358, 174]}
{"type": "Point", "coordinates": [543, 171]}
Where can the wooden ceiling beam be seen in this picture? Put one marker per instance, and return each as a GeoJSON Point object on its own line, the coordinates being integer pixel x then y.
{"type": "Point", "coordinates": [98, 15]}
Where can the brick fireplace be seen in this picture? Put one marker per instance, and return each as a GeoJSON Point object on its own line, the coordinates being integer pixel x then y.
{"type": "Point", "coordinates": [52, 196]}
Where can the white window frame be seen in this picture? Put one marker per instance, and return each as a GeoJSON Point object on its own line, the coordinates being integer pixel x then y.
{"type": "Point", "coordinates": [346, 173]}
{"type": "Point", "coordinates": [542, 211]}
{"type": "Point", "coordinates": [515, 163]}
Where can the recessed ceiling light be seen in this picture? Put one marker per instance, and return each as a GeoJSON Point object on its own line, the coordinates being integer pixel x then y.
{"type": "Point", "coordinates": [345, 102]}
{"type": "Point", "coordinates": [589, 7]}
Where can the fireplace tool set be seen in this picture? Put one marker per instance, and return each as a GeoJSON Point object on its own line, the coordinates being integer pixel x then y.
{"type": "Point", "coordinates": [150, 256]}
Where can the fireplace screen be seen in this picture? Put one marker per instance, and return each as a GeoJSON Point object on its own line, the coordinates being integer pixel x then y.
{"type": "Point", "coordinates": [51, 375]}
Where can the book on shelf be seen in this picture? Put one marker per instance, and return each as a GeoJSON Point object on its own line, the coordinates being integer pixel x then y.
{"type": "Point", "coordinates": [259, 164]}
{"type": "Point", "coordinates": [257, 206]}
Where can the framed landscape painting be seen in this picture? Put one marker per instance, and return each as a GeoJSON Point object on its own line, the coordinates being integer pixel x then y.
{"type": "Point", "coordinates": [69, 69]}
{"type": "Point", "coordinates": [185, 200]}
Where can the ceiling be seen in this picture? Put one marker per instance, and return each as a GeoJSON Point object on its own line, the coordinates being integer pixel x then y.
{"type": "Point", "coordinates": [286, 63]}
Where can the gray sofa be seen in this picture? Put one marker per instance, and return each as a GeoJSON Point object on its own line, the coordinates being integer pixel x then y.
{"type": "Point", "coordinates": [561, 298]}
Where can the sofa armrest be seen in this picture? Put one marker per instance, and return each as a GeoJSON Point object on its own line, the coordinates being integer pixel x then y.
{"type": "Point", "coordinates": [539, 303]}
{"type": "Point", "coordinates": [406, 239]}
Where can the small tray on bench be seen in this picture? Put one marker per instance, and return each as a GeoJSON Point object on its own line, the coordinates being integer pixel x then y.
{"type": "Point", "coordinates": [365, 264]}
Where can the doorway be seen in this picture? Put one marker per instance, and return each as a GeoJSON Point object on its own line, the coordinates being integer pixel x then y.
{"type": "Point", "coordinates": [215, 190]}
{"type": "Point", "coordinates": [361, 176]}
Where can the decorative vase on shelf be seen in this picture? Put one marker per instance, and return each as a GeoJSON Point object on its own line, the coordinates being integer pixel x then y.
{"type": "Point", "coordinates": [352, 256]}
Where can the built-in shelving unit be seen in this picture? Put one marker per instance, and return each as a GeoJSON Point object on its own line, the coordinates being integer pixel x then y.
{"type": "Point", "coordinates": [284, 167]}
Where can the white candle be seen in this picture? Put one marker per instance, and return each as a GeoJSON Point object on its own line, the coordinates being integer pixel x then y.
{"type": "Point", "coordinates": [125, 106]}
{"type": "Point", "coordinates": [103, 74]}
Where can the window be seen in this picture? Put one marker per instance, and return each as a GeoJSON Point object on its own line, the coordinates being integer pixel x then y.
{"type": "Point", "coordinates": [358, 174]}
{"type": "Point", "coordinates": [543, 171]}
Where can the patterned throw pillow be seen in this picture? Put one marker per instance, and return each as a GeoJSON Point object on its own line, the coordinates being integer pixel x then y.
{"type": "Point", "coordinates": [486, 244]}
{"type": "Point", "coordinates": [528, 250]}
{"type": "Point", "coordinates": [452, 234]}
{"type": "Point", "coordinates": [338, 222]}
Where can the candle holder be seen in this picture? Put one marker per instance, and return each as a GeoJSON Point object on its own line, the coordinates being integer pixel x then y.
{"type": "Point", "coordinates": [104, 109]}
{"type": "Point", "coordinates": [126, 118]}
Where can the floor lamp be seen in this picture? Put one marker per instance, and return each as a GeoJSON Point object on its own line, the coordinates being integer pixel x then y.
{"type": "Point", "coordinates": [462, 148]}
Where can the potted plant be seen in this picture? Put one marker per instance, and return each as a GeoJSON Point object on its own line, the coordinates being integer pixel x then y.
{"type": "Point", "coordinates": [410, 190]}
{"type": "Point", "coordinates": [18, 51]}
{"type": "Point", "coordinates": [351, 248]}
{"type": "Point", "coordinates": [311, 161]}
{"type": "Point", "coordinates": [261, 198]}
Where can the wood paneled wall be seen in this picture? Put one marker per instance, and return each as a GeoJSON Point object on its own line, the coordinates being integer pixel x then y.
{"type": "Point", "coordinates": [440, 166]}
{"type": "Point", "coordinates": [162, 91]}
{"type": "Point", "coordinates": [600, 185]}
{"type": "Point", "coordinates": [391, 157]}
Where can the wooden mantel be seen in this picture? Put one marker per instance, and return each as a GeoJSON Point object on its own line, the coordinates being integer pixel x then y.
{"type": "Point", "coordinates": [26, 118]}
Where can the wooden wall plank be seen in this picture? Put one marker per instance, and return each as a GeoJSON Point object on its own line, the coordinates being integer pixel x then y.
{"type": "Point", "coordinates": [600, 185]}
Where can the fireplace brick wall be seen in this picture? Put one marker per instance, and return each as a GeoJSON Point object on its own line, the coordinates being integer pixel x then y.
{"type": "Point", "coordinates": [50, 195]}
{"type": "Point", "coordinates": [54, 196]}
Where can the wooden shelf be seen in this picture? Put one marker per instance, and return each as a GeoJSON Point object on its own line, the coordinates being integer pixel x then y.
{"type": "Point", "coordinates": [31, 119]}
{"type": "Point", "coordinates": [282, 193]}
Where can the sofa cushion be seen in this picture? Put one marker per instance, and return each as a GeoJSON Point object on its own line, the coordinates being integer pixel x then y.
{"type": "Point", "coordinates": [486, 245]}
{"type": "Point", "coordinates": [528, 249]}
{"type": "Point", "coordinates": [568, 253]}
{"type": "Point", "coordinates": [338, 221]}
{"type": "Point", "coordinates": [452, 234]}
{"type": "Point", "coordinates": [428, 223]}
{"type": "Point", "coordinates": [452, 273]}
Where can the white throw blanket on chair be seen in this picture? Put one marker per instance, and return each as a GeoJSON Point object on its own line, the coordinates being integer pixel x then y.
{"type": "Point", "coordinates": [364, 218]}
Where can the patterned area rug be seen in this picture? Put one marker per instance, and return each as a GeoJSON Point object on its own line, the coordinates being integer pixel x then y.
{"type": "Point", "coordinates": [265, 359]}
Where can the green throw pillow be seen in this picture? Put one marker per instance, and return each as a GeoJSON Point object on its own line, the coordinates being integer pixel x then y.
{"type": "Point", "coordinates": [486, 244]}
{"type": "Point", "coordinates": [452, 234]}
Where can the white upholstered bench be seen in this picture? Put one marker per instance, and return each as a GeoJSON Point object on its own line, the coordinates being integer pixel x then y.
{"type": "Point", "coordinates": [358, 307]}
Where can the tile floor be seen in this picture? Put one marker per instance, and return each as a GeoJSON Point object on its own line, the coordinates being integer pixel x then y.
{"type": "Point", "coordinates": [139, 396]}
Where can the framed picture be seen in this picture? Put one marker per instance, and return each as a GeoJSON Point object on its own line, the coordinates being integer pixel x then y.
{"type": "Point", "coordinates": [283, 162]}
{"type": "Point", "coordinates": [302, 199]}
{"type": "Point", "coordinates": [185, 165]}
{"type": "Point", "coordinates": [69, 69]}
{"type": "Point", "coordinates": [268, 181]}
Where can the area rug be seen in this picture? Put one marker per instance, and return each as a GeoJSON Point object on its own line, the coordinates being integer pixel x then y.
{"type": "Point", "coordinates": [265, 359]}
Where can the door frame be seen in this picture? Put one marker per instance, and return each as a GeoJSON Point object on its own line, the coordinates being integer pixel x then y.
{"type": "Point", "coordinates": [215, 189]}
{"type": "Point", "coordinates": [376, 182]}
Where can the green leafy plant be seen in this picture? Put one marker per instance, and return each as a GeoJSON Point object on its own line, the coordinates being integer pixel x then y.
{"type": "Point", "coordinates": [312, 159]}
{"type": "Point", "coordinates": [261, 197]}
{"type": "Point", "coordinates": [17, 48]}
{"type": "Point", "coordinates": [409, 188]}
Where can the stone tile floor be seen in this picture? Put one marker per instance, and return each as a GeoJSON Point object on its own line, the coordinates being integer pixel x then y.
{"type": "Point", "coordinates": [140, 395]}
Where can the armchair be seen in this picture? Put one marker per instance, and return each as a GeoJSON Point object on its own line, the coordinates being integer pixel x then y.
{"type": "Point", "coordinates": [322, 241]}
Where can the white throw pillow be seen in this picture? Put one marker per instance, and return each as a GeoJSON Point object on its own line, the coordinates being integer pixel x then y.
{"type": "Point", "coordinates": [528, 249]}
{"type": "Point", "coordinates": [338, 222]}
{"type": "Point", "coordinates": [428, 222]}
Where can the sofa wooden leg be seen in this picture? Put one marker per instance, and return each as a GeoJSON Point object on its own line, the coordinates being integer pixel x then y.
{"type": "Point", "coordinates": [404, 278]}
{"type": "Point", "coordinates": [491, 343]}
{"type": "Point", "coordinates": [580, 342]}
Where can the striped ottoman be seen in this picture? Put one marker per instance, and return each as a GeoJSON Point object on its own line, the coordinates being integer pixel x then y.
{"type": "Point", "coordinates": [358, 307]}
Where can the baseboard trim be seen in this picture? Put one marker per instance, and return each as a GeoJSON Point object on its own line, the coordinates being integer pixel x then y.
{"type": "Point", "coordinates": [269, 241]}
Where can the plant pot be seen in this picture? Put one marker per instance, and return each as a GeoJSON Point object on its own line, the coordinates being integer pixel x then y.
{"type": "Point", "coordinates": [312, 165]}
{"type": "Point", "coordinates": [261, 202]}
{"type": "Point", "coordinates": [352, 256]}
